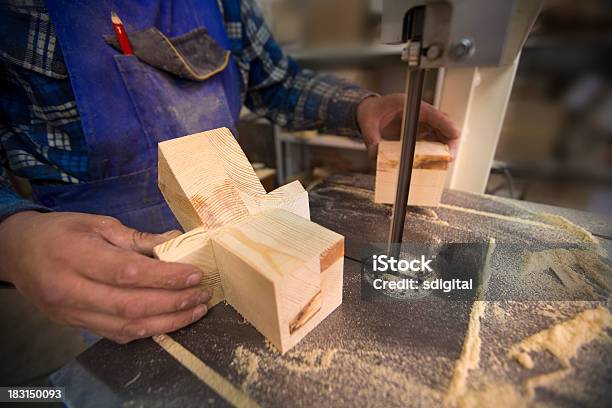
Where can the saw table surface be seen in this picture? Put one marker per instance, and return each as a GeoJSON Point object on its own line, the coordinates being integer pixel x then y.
{"type": "Point", "coordinates": [401, 353]}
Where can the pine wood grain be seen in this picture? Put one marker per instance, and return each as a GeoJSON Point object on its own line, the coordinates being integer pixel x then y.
{"type": "Point", "coordinates": [431, 162]}
{"type": "Point", "coordinates": [204, 177]}
{"type": "Point", "coordinates": [195, 248]}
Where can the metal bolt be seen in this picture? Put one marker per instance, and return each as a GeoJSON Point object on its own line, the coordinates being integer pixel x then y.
{"type": "Point", "coordinates": [434, 51]}
{"type": "Point", "coordinates": [462, 50]}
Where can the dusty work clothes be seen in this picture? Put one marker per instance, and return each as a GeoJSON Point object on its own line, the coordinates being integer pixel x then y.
{"type": "Point", "coordinates": [128, 106]}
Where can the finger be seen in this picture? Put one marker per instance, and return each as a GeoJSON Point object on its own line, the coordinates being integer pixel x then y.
{"type": "Point", "coordinates": [371, 137]}
{"type": "Point", "coordinates": [453, 145]}
{"type": "Point", "coordinates": [134, 303]}
{"type": "Point", "coordinates": [393, 129]}
{"type": "Point", "coordinates": [439, 121]}
{"type": "Point", "coordinates": [125, 330]}
{"type": "Point", "coordinates": [106, 263]}
{"type": "Point", "coordinates": [372, 151]}
{"type": "Point", "coordinates": [128, 238]}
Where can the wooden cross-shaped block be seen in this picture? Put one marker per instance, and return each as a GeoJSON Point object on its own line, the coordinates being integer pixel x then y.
{"type": "Point", "coordinates": [258, 251]}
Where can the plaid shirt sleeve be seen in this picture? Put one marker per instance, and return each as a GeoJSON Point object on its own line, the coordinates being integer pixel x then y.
{"type": "Point", "coordinates": [10, 201]}
{"type": "Point", "coordinates": [278, 89]}
{"type": "Point", "coordinates": [40, 132]}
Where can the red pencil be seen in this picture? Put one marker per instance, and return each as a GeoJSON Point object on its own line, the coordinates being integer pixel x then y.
{"type": "Point", "coordinates": [124, 42]}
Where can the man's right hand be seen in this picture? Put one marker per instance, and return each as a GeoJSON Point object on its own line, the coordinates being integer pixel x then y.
{"type": "Point", "coordinates": [92, 272]}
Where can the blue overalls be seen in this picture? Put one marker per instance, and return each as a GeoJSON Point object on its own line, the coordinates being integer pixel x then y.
{"type": "Point", "coordinates": [127, 107]}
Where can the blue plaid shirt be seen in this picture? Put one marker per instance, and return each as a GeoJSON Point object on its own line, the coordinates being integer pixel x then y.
{"type": "Point", "coordinates": [41, 138]}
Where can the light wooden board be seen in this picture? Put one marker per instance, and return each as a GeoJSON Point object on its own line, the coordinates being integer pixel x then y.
{"type": "Point", "coordinates": [428, 173]}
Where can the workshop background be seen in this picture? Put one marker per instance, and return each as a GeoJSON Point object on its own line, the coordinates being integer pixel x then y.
{"type": "Point", "coordinates": [556, 142]}
{"type": "Point", "coordinates": [555, 147]}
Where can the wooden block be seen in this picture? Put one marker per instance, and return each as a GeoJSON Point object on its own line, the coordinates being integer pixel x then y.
{"type": "Point", "coordinates": [203, 177]}
{"type": "Point", "coordinates": [195, 248]}
{"type": "Point", "coordinates": [282, 272]}
{"type": "Point", "coordinates": [428, 173]}
{"type": "Point", "coordinates": [260, 252]}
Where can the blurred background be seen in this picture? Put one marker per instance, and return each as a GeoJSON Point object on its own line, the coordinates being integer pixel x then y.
{"type": "Point", "coordinates": [556, 142]}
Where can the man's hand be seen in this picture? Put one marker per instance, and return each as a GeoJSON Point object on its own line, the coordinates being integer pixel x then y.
{"type": "Point", "coordinates": [381, 117]}
{"type": "Point", "coordinates": [92, 272]}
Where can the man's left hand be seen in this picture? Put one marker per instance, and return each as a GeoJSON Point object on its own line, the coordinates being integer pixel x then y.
{"type": "Point", "coordinates": [380, 117]}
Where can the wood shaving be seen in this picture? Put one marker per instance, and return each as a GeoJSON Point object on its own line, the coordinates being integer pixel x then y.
{"type": "Point", "coordinates": [498, 216]}
{"type": "Point", "coordinates": [563, 340]}
{"type": "Point", "coordinates": [544, 380]}
{"type": "Point", "coordinates": [470, 355]}
{"type": "Point", "coordinates": [525, 360]}
{"type": "Point", "coordinates": [576, 230]}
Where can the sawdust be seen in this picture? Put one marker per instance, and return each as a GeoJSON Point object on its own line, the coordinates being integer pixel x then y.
{"type": "Point", "coordinates": [525, 360]}
{"type": "Point", "coordinates": [510, 218]}
{"type": "Point", "coordinates": [563, 340]}
{"type": "Point", "coordinates": [544, 380]}
{"type": "Point", "coordinates": [565, 224]}
{"type": "Point", "coordinates": [472, 344]}
{"type": "Point", "coordinates": [499, 312]}
{"type": "Point", "coordinates": [303, 361]}
{"type": "Point", "coordinates": [271, 347]}
{"type": "Point", "coordinates": [428, 215]}
{"type": "Point", "coordinates": [493, 384]}
{"type": "Point", "coordinates": [578, 270]}
{"type": "Point", "coordinates": [549, 222]}
{"type": "Point", "coordinates": [247, 363]}
{"type": "Point", "coordinates": [554, 313]}
{"type": "Point", "coordinates": [470, 355]}
{"type": "Point", "coordinates": [361, 192]}
{"type": "Point", "coordinates": [363, 373]}
{"type": "Point", "coordinates": [426, 212]}
{"type": "Point", "coordinates": [309, 361]}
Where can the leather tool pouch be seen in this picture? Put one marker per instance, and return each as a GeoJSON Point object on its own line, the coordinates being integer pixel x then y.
{"type": "Point", "coordinates": [195, 55]}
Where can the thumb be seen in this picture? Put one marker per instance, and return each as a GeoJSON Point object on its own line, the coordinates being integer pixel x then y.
{"type": "Point", "coordinates": [128, 238]}
{"type": "Point", "coordinates": [368, 121]}
{"type": "Point", "coordinates": [371, 138]}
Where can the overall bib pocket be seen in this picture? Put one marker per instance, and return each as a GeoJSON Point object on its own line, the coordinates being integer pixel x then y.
{"type": "Point", "coordinates": [194, 55]}
{"type": "Point", "coordinates": [186, 105]}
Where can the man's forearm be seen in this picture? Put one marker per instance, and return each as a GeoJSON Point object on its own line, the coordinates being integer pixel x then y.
{"type": "Point", "coordinates": [311, 101]}
{"type": "Point", "coordinates": [294, 98]}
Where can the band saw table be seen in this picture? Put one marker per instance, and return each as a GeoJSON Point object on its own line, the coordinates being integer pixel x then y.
{"type": "Point", "coordinates": [399, 353]}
